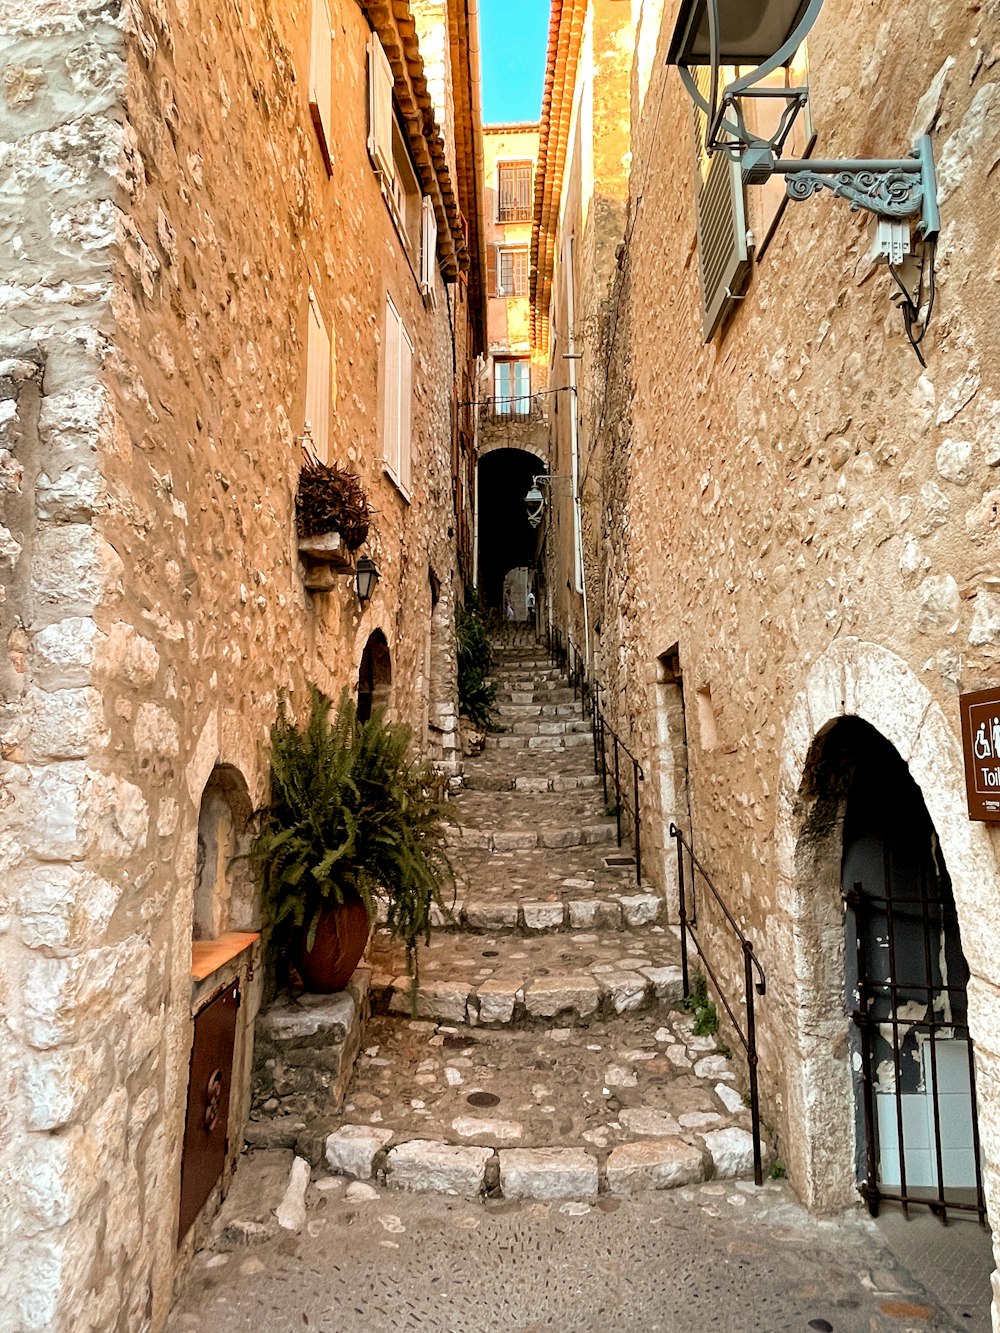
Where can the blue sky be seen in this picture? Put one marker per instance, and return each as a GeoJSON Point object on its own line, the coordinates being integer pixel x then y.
{"type": "Point", "coordinates": [514, 34]}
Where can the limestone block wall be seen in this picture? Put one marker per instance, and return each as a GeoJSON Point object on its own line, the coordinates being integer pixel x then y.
{"type": "Point", "coordinates": [810, 517]}
{"type": "Point", "coordinates": [166, 208]}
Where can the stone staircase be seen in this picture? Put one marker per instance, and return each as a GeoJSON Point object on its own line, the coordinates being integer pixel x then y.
{"type": "Point", "coordinates": [543, 1053]}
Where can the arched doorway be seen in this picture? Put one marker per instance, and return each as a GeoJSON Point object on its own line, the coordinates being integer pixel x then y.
{"type": "Point", "coordinates": [906, 989]}
{"type": "Point", "coordinates": [374, 676]}
{"type": "Point", "coordinates": [507, 541]}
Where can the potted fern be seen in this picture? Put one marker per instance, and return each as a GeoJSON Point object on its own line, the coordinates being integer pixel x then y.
{"type": "Point", "coordinates": [351, 818]}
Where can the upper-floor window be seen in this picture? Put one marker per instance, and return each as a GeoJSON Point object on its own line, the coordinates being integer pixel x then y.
{"type": "Point", "coordinates": [397, 398]}
{"type": "Point", "coordinates": [514, 192]}
{"type": "Point", "coordinates": [512, 388]}
{"type": "Point", "coordinates": [412, 211]}
{"type": "Point", "coordinates": [321, 77]}
{"type": "Point", "coordinates": [512, 272]}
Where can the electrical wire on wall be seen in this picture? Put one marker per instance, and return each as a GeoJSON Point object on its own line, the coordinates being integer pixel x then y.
{"type": "Point", "coordinates": [911, 303]}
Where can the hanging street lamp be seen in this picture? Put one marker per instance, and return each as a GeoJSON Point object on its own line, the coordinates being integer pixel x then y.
{"type": "Point", "coordinates": [714, 36]}
{"type": "Point", "coordinates": [366, 575]}
{"type": "Point", "coordinates": [535, 501]}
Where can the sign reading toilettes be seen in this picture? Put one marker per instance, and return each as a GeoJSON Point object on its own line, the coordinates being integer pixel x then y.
{"type": "Point", "coordinates": [981, 742]}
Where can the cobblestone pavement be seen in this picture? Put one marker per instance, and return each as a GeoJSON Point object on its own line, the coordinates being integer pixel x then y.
{"type": "Point", "coordinates": [722, 1256]}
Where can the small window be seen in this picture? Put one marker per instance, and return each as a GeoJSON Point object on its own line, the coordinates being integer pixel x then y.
{"type": "Point", "coordinates": [512, 383]}
{"type": "Point", "coordinates": [397, 397]}
{"type": "Point", "coordinates": [321, 78]}
{"type": "Point", "coordinates": [512, 272]}
{"type": "Point", "coordinates": [514, 191]}
{"type": "Point", "coordinates": [405, 195]}
{"type": "Point", "coordinates": [319, 381]}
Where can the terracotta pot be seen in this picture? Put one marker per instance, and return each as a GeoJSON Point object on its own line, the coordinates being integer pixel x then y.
{"type": "Point", "coordinates": [341, 938]}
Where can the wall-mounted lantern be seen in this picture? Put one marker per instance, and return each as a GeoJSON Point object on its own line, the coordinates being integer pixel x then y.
{"type": "Point", "coordinates": [535, 501]}
{"type": "Point", "coordinates": [765, 34]}
{"type": "Point", "coordinates": [366, 575]}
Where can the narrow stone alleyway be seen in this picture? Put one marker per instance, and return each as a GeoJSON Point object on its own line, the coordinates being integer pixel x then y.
{"type": "Point", "coordinates": [499, 1162]}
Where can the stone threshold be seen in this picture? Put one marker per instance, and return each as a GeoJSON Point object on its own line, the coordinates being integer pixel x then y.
{"type": "Point", "coordinates": [476, 1171]}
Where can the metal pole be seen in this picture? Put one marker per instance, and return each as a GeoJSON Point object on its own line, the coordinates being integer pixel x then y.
{"type": "Point", "coordinates": [758, 1170]}
{"type": "Point", "coordinates": [635, 797]}
{"type": "Point", "coordinates": [675, 833]}
{"type": "Point", "coordinates": [618, 794]}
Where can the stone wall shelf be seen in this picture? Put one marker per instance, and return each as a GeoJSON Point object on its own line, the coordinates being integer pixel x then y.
{"type": "Point", "coordinates": [208, 956]}
{"type": "Point", "coordinates": [327, 548]}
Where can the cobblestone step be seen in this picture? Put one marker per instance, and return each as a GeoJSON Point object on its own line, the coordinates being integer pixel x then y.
{"type": "Point", "coordinates": [524, 839]}
{"type": "Point", "coordinates": [525, 712]}
{"type": "Point", "coordinates": [560, 742]}
{"type": "Point", "coordinates": [554, 726]}
{"type": "Point", "coordinates": [505, 782]}
{"type": "Point", "coordinates": [549, 692]}
{"type": "Point", "coordinates": [617, 911]}
{"type": "Point", "coordinates": [479, 979]}
{"type": "Point", "coordinates": [558, 1113]}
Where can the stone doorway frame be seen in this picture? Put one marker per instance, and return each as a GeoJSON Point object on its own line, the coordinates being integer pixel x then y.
{"type": "Point", "coordinates": [864, 680]}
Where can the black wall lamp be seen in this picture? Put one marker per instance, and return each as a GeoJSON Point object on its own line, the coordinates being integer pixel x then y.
{"type": "Point", "coordinates": [765, 34]}
{"type": "Point", "coordinates": [366, 575]}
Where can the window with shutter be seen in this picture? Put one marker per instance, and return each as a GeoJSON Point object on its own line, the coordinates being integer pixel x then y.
{"type": "Point", "coordinates": [321, 77]}
{"type": "Point", "coordinates": [514, 192]}
{"type": "Point", "coordinates": [397, 395]}
{"type": "Point", "coordinates": [513, 273]}
{"type": "Point", "coordinates": [319, 381]}
{"type": "Point", "coordinates": [723, 254]}
{"type": "Point", "coordinates": [380, 118]}
{"type": "Point", "coordinates": [428, 248]}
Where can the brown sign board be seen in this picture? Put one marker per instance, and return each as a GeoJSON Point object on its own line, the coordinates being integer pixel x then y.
{"type": "Point", "coordinates": [981, 743]}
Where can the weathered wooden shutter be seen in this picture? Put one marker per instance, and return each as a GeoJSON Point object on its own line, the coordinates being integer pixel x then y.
{"type": "Point", "coordinates": [723, 255]}
{"type": "Point", "coordinates": [321, 78]}
{"type": "Point", "coordinates": [428, 246]}
{"type": "Point", "coordinates": [524, 200]}
{"type": "Point", "coordinates": [492, 285]}
{"type": "Point", "coordinates": [390, 406]}
{"type": "Point", "coordinates": [405, 401]}
{"type": "Point", "coordinates": [319, 381]}
{"type": "Point", "coordinates": [520, 273]}
{"type": "Point", "coordinates": [380, 85]}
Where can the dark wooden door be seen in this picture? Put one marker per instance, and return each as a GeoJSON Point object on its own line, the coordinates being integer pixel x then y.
{"type": "Point", "coordinates": [206, 1139]}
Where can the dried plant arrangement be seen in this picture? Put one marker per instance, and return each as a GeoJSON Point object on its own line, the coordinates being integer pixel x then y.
{"type": "Point", "coordinates": [331, 499]}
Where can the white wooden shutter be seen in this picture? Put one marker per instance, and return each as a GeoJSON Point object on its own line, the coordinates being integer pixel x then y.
{"type": "Point", "coordinates": [405, 401]}
{"type": "Point", "coordinates": [723, 255]}
{"type": "Point", "coordinates": [319, 381]}
{"type": "Point", "coordinates": [321, 77]}
{"type": "Point", "coordinates": [428, 247]}
{"type": "Point", "coordinates": [380, 85]}
{"type": "Point", "coordinates": [391, 402]}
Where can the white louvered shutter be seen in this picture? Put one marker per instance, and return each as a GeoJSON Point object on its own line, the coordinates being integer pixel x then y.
{"type": "Point", "coordinates": [428, 247]}
{"type": "Point", "coordinates": [321, 77]}
{"type": "Point", "coordinates": [723, 255]}
{"type": "Point", "coordinates": [380, 85]}
{"type": "Point", "coordinates": [319, 381]}
{"type": "Point", "coordinates": [391, 403]}
{"type": "Point", "coordinates": [405, 401]}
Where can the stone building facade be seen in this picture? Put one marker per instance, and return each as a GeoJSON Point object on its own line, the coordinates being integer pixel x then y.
{"type": "Point", "coordinates": [197, 213]}
{"type": "Point", "coordinates": [797, 565]}
{"type": "Point", "coordinates": [512, 441]}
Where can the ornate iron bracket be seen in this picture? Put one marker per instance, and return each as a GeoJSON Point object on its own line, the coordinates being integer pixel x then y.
{"type": "Point", "coordinates": [892, 194]}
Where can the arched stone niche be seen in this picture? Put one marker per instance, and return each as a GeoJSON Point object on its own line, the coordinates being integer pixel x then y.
{"type": "Point", "coordinates": [374, 676]}
{"type": "Point", "coordinates": [856, 679]}
{"type": "Point", "coordinates": [225, 895]}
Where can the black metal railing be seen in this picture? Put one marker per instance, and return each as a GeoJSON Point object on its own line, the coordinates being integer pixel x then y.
{"type": "Point", "coordinates": [754, 981]}
{"type": "Point", "coordinates": [517, 409]}
{"type": "Point", "coordinates": [625, 774]}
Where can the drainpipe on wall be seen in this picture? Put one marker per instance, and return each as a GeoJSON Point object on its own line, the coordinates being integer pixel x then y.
{"type": "Point", "coordinates": [579, 582]}
{"type": "Point", "coordinates": [479, 175]}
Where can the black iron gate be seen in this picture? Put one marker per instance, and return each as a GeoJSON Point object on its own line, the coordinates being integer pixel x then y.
{"type": "Point", "coordinates": [917, 1088]}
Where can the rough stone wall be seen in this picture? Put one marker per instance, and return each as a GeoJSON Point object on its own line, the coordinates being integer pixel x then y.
{"type": "Point", "coordinates": [812, 518]}
{"type": "Point", "coordinates": [592, 212]}
{"type": "Point", "coordinates": [167, 208]}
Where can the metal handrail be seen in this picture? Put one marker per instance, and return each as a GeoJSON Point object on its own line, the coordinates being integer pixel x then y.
{"type": "Point", "coordinates": [751, 965]}
{"type": "Point", "coordinates": [618, 747]}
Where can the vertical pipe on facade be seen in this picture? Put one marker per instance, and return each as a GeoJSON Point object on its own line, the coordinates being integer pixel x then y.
{"type": "Point", "coordinates": [579, 582]}
{"type": "Point", "coordinates": [479, 176]}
